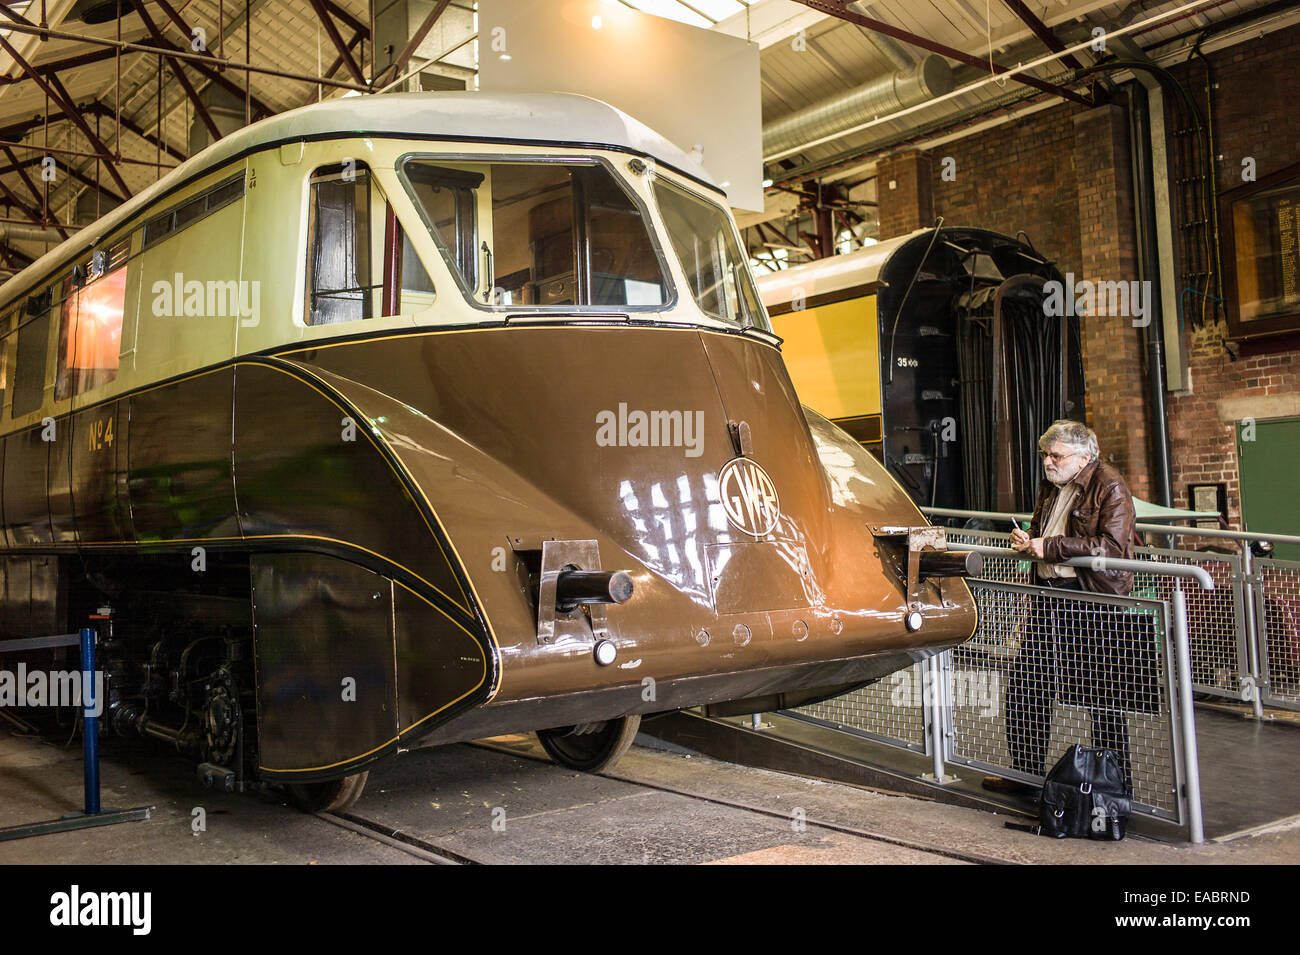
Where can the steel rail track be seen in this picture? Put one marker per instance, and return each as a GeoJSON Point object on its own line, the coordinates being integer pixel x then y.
{"type": "Point", "coordinates": [439, 855]}
{"type": "Point", "coordinates": [914, 844]}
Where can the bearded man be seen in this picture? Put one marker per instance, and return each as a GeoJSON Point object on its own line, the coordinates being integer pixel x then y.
{"type": "Point", "coordinates": [1084, 509]}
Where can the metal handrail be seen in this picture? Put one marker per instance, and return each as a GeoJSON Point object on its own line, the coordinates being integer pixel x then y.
{"type": "Point", "coordinates": [1218, 532]}
{"type": "Point", "coordinates": [1146, 528]}
{"type": "Point", "coordinates": [1199, 574]}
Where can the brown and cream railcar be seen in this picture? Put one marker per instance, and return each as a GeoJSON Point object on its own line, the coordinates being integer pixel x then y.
{"type": "Point", "coordinates": [435, 416]}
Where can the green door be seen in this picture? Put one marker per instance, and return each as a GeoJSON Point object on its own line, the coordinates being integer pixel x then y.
{"type": "Point", "coordinates": [1268, 454]}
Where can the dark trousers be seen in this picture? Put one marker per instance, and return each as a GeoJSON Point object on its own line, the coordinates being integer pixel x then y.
{"type": "Point", "coordinates": [1058, 660]}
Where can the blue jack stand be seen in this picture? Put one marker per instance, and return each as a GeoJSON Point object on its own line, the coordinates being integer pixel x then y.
{"type": "Point", "coordinates": [94, 814]}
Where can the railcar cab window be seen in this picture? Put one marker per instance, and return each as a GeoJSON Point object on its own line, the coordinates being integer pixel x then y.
{"type": "Point", "coordinates": [543, 233]}
{"type": "Point", "coordinates": [90, 326]}
{"type": "Point", "coordinates": [348, 216]}
{"type": "Point", "coordinates": [705, 242]}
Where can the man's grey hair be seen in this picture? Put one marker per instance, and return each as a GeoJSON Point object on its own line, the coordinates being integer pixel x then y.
{"type": "Point", "coordinates": [1075, 435]}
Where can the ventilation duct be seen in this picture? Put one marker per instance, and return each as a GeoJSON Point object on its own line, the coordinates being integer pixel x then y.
{"type": "Point", "coordinates": [100, 11]}
{"type": "Point", "coordinates": [885, 46]}
{"type": "Point", "coordinates": [930, 78]}
{"type": "Point", "coordinates": [12, 231]}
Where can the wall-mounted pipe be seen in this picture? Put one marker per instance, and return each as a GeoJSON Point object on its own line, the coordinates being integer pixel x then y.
{"type": "Point", "coordinates": [1153, 337]}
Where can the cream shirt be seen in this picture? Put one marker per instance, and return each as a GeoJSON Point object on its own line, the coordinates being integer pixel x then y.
{"type": "Point", "coordinates": [1055, 525]}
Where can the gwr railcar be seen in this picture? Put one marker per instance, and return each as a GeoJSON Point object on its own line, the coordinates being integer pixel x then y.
{"type": "Point", "coordinates": [430, 417]}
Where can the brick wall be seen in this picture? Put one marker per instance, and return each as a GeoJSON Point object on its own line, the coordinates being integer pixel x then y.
{"type": "Point", "coordinates": [1019, 175]}
{"type": "Point", "coordinates": [1255, 115]}
{"type": "Point", "coordinates": [1062, 176]}
{"type": "Point", "coordinates": [1112, 348]}
{"type": "Point", "coordinates": [1035, 174]}
{"type": "Point", "coordinates": [1202, 423]}
{"type": "Point", "coordinates": [904, 193]}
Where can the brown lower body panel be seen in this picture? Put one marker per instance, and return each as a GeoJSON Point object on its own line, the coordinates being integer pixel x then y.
{"type": "Point", "coordinates": [521, 716]}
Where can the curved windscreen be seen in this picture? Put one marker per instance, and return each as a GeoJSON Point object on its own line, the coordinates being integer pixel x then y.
{"type": "Point", "coordinates": [705, 242]}
{"type": "Point", "coordinates": [539, 233]}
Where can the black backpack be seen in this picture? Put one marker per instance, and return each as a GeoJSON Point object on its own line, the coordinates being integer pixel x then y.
{"type": "Point", "coordinates": [1085, 796]}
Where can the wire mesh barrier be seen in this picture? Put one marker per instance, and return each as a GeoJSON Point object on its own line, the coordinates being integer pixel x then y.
{"type": "Point", "coordinates": [1006, 569]}
{"type": "Point", "coordinates": [893, 710]}
{"type": "Point", "coordinates": [1050, 667]}
{"type": "Point", "coordinates": [1243, 634]}
{"type": "Point", "coordinates": [1047, 668]}
{"type": "Point", "coordinates": [1277, 616]}
{"type": "Point", "coordinates": [1220, 660]}
{"type": "Point", "coordinates": [1215, 622]}
{"type": "Point", "coordinates": [1044, 669]}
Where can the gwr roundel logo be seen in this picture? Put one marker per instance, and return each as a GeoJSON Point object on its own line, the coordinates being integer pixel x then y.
{"type": "Point", "coordinates": [749, 497]}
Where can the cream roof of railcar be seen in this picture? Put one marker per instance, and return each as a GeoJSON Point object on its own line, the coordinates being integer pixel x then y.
{"type": "Point", "coordinates": [562, 118]}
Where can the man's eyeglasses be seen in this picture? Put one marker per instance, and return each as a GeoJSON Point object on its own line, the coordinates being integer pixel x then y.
{"type": "Point", "coordinates": [1056, 458]}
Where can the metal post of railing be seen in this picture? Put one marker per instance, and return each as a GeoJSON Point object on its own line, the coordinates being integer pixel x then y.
{"type": "Point", "coordinates": [1252, 629]}
{"type": "Point", "coordinates": [1192, 767]}
{"type": "Point", "coordinates": [90, 702]}
{"type": "Point", "coordinates": [938, 700]}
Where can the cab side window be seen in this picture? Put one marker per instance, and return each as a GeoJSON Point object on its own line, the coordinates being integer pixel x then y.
{"type": "Point", "coordinates": [32, 342]}
{"type": "Point", "coordinates": [339, 281]}
{"type": "Point", "coordinates": [360, 262]}
{"type": "Point", "coordinates": [6, 344]}
{"type": "Point", "coordinates": [407, 288]}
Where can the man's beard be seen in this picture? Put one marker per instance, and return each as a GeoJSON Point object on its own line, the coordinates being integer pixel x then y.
{"type": "Point", "coordinates": [1061, 478]}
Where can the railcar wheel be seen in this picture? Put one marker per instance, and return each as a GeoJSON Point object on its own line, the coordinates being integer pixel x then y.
{"type": "Point", "coordinates": [335, 795]}
{"type": "Point", "coordinates": [590, 747]}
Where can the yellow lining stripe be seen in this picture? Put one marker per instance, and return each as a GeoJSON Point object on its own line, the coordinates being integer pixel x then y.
{"type": "Point", "coordinates": [404, 473]}
{"type": "Point", "coordinates": [267, 537]}
{"type": "Point", "coordinates": [400, 733]}
{"type": "Point", "coordinates": [401, 474]}
{"type": "Point", "coordinates": [561, 321]}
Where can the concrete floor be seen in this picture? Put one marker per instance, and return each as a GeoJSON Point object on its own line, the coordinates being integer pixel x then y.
{"type": "Point", "coordinates": [452, 796]}
{"type": "Point", "coordinates": [1248, 768]}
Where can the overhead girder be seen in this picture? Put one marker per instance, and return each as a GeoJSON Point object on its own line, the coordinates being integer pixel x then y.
{"type": "Point", "coordinates": [1043, 32]}
{"type": "Point", "coordinates": [925, 43]}
{"type": "Point", "coordinates": [200, 107]}
{"type": "Point", "coordinates": [332, 30]}
{"type": "Point", "coordinates": [395, 68]}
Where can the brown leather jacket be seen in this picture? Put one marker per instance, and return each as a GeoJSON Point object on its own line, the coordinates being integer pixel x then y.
{"type": "Point", "coordinates": [1100, 525]}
